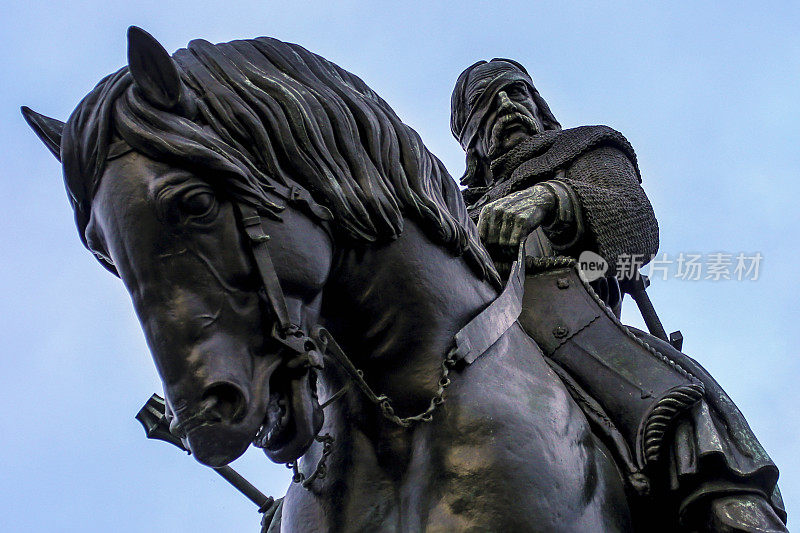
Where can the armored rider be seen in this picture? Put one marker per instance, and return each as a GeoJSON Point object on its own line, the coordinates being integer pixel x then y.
{"type": "Point", "coordinates": [580, 189]}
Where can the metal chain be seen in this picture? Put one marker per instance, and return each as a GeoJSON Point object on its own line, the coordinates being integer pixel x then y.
{"type": "Point", "coordinates": [321, 470]}
{"type": "Point", "coordinates": [330, 347]}
{"type": "Point", "coordinates": [387, 410]}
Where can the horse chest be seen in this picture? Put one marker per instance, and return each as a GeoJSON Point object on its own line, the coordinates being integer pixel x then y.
{"type": "Point", "coordinates": [509, 451]}
{"type": "Point", "coordinates": [515, 453]}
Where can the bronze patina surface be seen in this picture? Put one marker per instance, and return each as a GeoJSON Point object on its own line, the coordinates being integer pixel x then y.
{"type": "Point", "coordinates": [285, 237]}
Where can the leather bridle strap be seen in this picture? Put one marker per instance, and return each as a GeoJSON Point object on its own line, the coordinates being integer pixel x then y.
{"type": "Point", "coordinates": [251, 222]}
{"type": "Point", "coordinates": [301, 198]}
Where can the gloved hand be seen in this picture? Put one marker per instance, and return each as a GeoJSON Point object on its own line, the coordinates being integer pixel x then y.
{"type": "Point", "coordinates": [505, 223]}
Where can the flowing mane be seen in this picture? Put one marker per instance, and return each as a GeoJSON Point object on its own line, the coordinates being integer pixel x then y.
{"type": "Point", "coordinates": [260, 111]}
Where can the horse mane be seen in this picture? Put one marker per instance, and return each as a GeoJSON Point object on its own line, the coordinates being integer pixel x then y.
{"type": "Point", "coordinates": [267, 111]}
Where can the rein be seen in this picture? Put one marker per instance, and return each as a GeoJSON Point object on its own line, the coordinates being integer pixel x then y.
{"type": "Point", "coordinates": [306, 351]}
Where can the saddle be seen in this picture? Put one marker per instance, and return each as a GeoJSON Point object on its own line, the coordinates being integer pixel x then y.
{"type": "Point", "coordinates": [631, 392]}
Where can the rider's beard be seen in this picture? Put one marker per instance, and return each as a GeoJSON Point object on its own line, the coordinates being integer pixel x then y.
{"type": "Point", "coordinates": [504, 138]}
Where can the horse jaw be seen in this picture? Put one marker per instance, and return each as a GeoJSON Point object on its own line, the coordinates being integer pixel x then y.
{"type": "Point", "coordinates": [294, 417]}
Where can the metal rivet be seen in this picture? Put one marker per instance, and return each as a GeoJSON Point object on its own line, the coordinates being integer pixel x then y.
{"type": "Point", "coordinates": [563, 283]}
{"type": "Point", "coordinates": [560, 332]}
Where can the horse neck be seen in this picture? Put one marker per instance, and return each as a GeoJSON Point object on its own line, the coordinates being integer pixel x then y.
{"type": "Point", "coordinates": [395, 309]}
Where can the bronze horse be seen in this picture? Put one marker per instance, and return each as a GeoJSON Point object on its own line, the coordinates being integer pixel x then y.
{"type": "Point", "coordinates": [247, 193]}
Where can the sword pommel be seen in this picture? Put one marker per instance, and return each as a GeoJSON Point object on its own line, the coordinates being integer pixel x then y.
{"type": "Point", "coordinates": [153, 418]}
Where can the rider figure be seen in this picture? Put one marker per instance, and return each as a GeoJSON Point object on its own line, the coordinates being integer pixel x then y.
{"type": "Point", "coordinates": [580, 188]}
{"type": "Point", "coordinates": [577, 190]}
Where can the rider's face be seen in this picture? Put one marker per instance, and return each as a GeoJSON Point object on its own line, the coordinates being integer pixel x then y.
{"type": "Point", "coordinates": [512, 116]}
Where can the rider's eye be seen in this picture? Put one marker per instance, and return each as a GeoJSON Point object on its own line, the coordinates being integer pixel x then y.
{"type": "Point", "coordinates": [198, 204]}
{"type": "Point", "coordinates": [515, 90]}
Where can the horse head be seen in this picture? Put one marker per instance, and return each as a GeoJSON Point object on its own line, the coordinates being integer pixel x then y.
{"type": "Point", "coordinates": [168, 161]}
{"type": "Point", "coordinates": [175, 240]}
{"type": "Point", "coordinates": [176, 244]}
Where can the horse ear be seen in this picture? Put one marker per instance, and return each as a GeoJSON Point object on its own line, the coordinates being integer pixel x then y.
{"type": "Point", "coordinates": [47, 129]}
{"type": "Point", "coordinates": [153, 70]}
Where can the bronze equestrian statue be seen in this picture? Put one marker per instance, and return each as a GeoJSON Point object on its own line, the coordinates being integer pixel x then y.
{"type": "Point", "coordinates": [576, 190]}
{"type": "Point", "coordinates": [309, 281]}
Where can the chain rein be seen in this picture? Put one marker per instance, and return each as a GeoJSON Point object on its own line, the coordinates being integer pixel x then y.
{"type": "Point", "coordinates": [383, 402]}
{"type": "Point", "coordinates": [329, 347]}
{"type": "Point", "coordinates": [387, 410]}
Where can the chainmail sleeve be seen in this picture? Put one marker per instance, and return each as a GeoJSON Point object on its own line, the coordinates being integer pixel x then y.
{"type": "Point", "coordinates": [617, 214]}
{"type": "Point", "coordinates": [599, 166]}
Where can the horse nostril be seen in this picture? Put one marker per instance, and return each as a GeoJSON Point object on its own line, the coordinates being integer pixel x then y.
{"type": "Point", "coordinates": [226, 400]}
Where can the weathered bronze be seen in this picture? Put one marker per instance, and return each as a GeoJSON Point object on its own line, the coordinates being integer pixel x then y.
{"type": "Point", "coordinates": [153, 417]}
{"type": "Point", "coordinates": [686, 449]}
{"type": "Point", "coordinates": [309, 281]}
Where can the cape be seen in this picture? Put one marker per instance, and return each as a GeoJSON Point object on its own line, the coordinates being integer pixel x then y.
{"type": "Point", "coordinates": [600, 167]}
{"type": "Point", "coordinates": [714, 451]}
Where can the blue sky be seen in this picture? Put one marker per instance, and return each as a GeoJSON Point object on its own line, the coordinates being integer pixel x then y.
{"type": "Point", "coordinates": [707, 96]}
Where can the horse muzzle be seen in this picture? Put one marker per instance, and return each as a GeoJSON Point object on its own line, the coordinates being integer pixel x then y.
{"type": "Point", "coordinates": [216, 428]}
{"type": "Point", "coordinates": [282, 416]}
{"type": "Point", "coordinates": [293, 418]}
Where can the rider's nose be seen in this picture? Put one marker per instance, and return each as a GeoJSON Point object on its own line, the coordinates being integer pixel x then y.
{"type": "Point", "coordinates": [225, 399]}
{"type": "Point", "coordinates": [503, 100]}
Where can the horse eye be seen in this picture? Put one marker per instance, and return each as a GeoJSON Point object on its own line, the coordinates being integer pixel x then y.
{"type": "Point", "coordinates": [198, 204]}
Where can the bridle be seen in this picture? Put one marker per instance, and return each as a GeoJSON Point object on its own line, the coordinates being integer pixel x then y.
{"type": "Point", "coordinates": [302, 352]}
{"type": "Point", "coordinates": [305, 350]}
{"type": "Point", "coordinates": [299, 345]}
